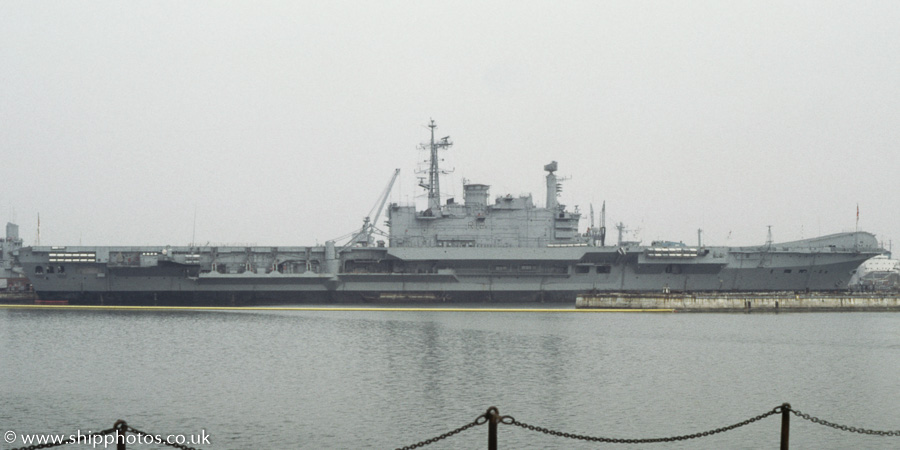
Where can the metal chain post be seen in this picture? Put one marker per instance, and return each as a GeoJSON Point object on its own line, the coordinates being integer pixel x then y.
{"type": "Point", "coordinates": [785, 425]}
{"type": "Point", "coordinates": [493, 415]}
{"type": "Point", "coordinates": [122, 428]}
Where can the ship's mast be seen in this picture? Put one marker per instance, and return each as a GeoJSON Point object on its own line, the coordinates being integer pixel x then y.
{"type": "Point", "coordinates": [599, 233]}
{"type": "Point", "coordinates": [434, 181]}
{"type": "Point", "coordinates": [603, 225]}
{"type": "Point", "coordinates": [592, 218]}
{"type": "Point", "coordinates": [554, 187]}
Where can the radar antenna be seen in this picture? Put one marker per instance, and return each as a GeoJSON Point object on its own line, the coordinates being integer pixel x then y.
{"type": "Point", "coordinates": [554, 187]}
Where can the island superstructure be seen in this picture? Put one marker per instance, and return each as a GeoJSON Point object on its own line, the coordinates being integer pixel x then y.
{"type": "Point", "coordinates": [14, 286]}
{"type": "Point", "coordinates": [475, 251]}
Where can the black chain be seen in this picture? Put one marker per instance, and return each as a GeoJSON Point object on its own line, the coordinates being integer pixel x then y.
{"type": "Point", "coordinates": [844, 427]}
{"type": "Point", "coordinates": [480, 420]}
{"type": "Point", "coordinates": [66, 441]}
{"type": "Point", "coordinates": [511, 421]}
{"type": "Point", "coordinates": [123, 428]}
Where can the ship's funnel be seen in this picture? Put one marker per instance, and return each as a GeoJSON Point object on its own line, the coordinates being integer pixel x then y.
{"type": "Point", "coordinates": [476, 195]}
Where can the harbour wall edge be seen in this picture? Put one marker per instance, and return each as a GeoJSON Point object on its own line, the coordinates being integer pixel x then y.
{"type": "Point", "coordinates": [788, 302]}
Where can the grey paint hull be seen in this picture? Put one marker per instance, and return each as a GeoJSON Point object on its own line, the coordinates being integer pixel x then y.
{"type": "Point", "coordinates": [191, 276]}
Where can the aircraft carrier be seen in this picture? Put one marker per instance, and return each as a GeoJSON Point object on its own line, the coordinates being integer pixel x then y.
{"type": "Point", "coordinates": [508, 250]}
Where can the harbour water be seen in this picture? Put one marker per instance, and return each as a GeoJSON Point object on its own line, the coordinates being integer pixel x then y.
{"type": "Point", "coordinates": [385, 379]}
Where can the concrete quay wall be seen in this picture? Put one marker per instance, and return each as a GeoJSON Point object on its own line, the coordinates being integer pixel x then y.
{"type": "Point", "coordinates": [743, 302]}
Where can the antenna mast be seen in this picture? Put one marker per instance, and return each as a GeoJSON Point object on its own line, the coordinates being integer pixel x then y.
{"type": "Point", "coordinates": [603, 225]}
{"type": "Point", "coordinates": [554, 187]}
{"type": "Point", "coordinates": [591, 230]}
{"type": "Point", "coordinates": [194, 230]}
{"type": "Point", "coordinates": [434, 182]}
{"type": "Point", "coordinates": [621, 227]}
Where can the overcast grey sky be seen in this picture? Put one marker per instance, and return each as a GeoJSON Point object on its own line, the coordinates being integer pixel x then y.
{"type": "Point", "coordinates": [278, 123]}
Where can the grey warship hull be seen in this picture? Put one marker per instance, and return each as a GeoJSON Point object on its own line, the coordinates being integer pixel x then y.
{"type": "Point", "coordinates": [189, 276]}
{"type": "Point", "coordinates": [474, 251]}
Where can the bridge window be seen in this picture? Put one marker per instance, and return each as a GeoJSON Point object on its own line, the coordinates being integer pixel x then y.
{"type": "Point", "coordinates": [582, 269]}
{"type": "Point", "coordinates": [39, 270]}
